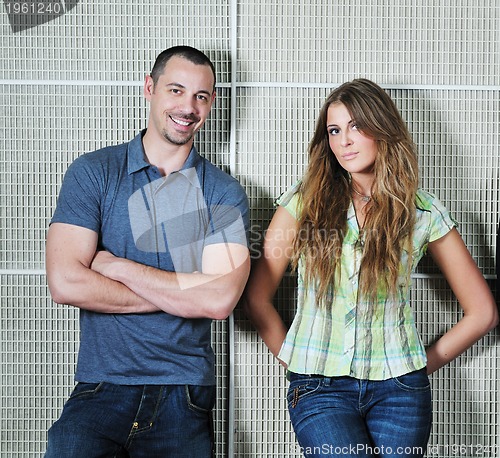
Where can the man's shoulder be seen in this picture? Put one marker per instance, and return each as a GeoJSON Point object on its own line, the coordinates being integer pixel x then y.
{"type": "Point", "coordinates": [105, 153]}
{"type": "Point", "coordinates": [101, 161]}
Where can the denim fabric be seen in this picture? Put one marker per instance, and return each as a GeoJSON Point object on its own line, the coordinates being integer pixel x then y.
{"type": "Point", "coordinates": [148, 421]}
{"type": "Point", "coordinates": [347, 417]}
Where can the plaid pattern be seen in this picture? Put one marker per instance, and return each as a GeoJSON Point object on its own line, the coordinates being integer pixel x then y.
{"type": "Point", "coordinates": [353, 337]}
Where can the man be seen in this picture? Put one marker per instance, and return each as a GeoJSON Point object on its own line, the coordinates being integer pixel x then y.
{"type": "Point", "coordinates": [149, 240]}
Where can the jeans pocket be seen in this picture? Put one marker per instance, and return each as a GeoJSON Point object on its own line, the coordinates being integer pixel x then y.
{"type": "Point", "coordinates": [85, 389]}
{"type": "Point", "coordinates": [302, 388]}
{"type": "Point", "coordinates": [200, 398]}
{"type": "Point", "coordinates": [413, 381]}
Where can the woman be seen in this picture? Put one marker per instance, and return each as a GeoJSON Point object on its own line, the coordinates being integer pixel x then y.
{"type": "Point", "coordinates": [354, 229]}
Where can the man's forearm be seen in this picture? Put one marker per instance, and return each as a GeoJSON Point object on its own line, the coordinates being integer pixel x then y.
{"type": "Point", "coordinates": [89, 290]}
{"type": "Point", "coordinates": [69, 253]}
{"type": "Point", "coordinates": [189, 295]}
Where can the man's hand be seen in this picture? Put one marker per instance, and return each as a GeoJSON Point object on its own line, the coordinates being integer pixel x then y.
{"type": "Point", "coordinates": [103, 262]}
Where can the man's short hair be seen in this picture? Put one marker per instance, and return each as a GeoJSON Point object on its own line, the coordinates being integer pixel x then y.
{"type": "Point", "coordinates": [186, 52]}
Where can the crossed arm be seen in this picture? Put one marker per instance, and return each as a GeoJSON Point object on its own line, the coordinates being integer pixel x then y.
{"type": "Point", "coordinates": [104, 283]}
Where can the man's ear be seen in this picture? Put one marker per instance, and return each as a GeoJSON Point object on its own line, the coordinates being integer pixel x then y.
{"type": "Point", "coordinates": [149, 87]}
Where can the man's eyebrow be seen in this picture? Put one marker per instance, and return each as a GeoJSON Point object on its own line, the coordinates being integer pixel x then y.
{"type": "Point", "coordinates": [181, 86]}
{"type": "Point", "coordinates": [176, 85]}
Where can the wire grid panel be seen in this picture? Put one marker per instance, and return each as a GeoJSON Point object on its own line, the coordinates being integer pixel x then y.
{"type": "Point", "coordinates": [220, 342]}
{"type": "Point", "coordinates": [466, 398]}
{"type": "Point", "coordinates": [45, 128]}
{"type": "Point", "coordinates": [274, 127]}
{"type": "Point", "coordinates": [38, 346]}
{"type": "Point", "coordinates": [115, 41]}
{"type": "Point", "coordinates": [390, 41]}
{"type": "Point", "coordinates": [262, 427]}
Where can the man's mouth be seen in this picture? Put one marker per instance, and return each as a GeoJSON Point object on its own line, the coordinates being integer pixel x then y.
{"type": "Point", "coordinates": [182, 122]}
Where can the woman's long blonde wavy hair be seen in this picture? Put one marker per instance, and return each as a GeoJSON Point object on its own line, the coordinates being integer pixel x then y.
{"type": "Point", "coordinates": [325, 196]}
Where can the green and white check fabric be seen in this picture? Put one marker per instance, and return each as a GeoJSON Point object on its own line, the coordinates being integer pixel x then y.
{"type": "Point", "coordinates": [364, 340]}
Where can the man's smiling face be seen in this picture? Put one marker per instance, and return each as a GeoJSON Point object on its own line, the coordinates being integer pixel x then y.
{"type": "Point", "coordinates": [180, 100]}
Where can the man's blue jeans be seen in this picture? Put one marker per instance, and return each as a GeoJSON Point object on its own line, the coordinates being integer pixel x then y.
{"type": "Point", "coordinates": [347, 417]}
{"type": "Point", "coordinates": [106, 420]}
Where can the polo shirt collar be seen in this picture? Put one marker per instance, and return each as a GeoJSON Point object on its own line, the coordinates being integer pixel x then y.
{"type": "Point", "coordinates": [136, 159]}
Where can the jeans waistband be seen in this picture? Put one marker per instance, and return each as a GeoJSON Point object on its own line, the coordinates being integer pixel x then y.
{"type": "Point", "coordinates": [293, 376]}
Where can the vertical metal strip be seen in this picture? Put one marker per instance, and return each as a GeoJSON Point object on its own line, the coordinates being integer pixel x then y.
{"type": "Point", "coordinates": [232, 167]}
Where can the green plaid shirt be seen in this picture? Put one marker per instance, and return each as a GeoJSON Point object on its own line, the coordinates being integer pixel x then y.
{"type": "Point", "coordinates": [354, 338]}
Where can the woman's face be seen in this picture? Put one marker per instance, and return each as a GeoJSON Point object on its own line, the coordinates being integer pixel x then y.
{"type": "Point", "coordinates": [354, 151]}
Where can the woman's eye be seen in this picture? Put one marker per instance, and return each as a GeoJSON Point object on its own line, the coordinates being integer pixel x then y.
{"type": "Point", "coordinates": [333, 131]}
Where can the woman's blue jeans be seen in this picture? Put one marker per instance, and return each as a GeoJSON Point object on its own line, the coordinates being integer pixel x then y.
{"type": "Point", "coordinates": [347, 417]}
{"type": "Point", "coordinates": [106, 420]}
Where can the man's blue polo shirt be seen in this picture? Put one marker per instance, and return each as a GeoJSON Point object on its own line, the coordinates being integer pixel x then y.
{"type": "Point", "coordinates": [163, 222]}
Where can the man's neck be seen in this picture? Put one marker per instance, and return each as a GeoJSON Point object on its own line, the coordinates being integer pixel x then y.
{"type": "Point", "coordinates": [164, 155]}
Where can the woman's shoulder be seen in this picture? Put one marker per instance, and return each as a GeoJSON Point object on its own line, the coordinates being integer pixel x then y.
{"type": "Point", "coordinates": [438, 219]}
{"type": "Point", "coordinates": [425, 200]}
{"type": "Point", "coordinates": [285, 197]}
{"type": "Point", "coordinates": [289, 199]}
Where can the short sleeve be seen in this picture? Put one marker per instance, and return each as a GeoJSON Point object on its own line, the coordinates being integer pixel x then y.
{"type": "Point", "coordinates": [226, 226]}
{"type": "Point", "coordinates": [228, 218]}
{"type": "Point", "coordinates": [79, 199]}
{"type": "Point", "coordinates": [290, 200]}
{"type": "Point", "coordinates": [441, 222]}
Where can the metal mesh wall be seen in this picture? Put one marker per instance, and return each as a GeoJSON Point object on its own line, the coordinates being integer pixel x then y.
{"type": "Point", "coordinates": [74, 84]}
{"type": "Point", "coordinates": [398, 41]}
